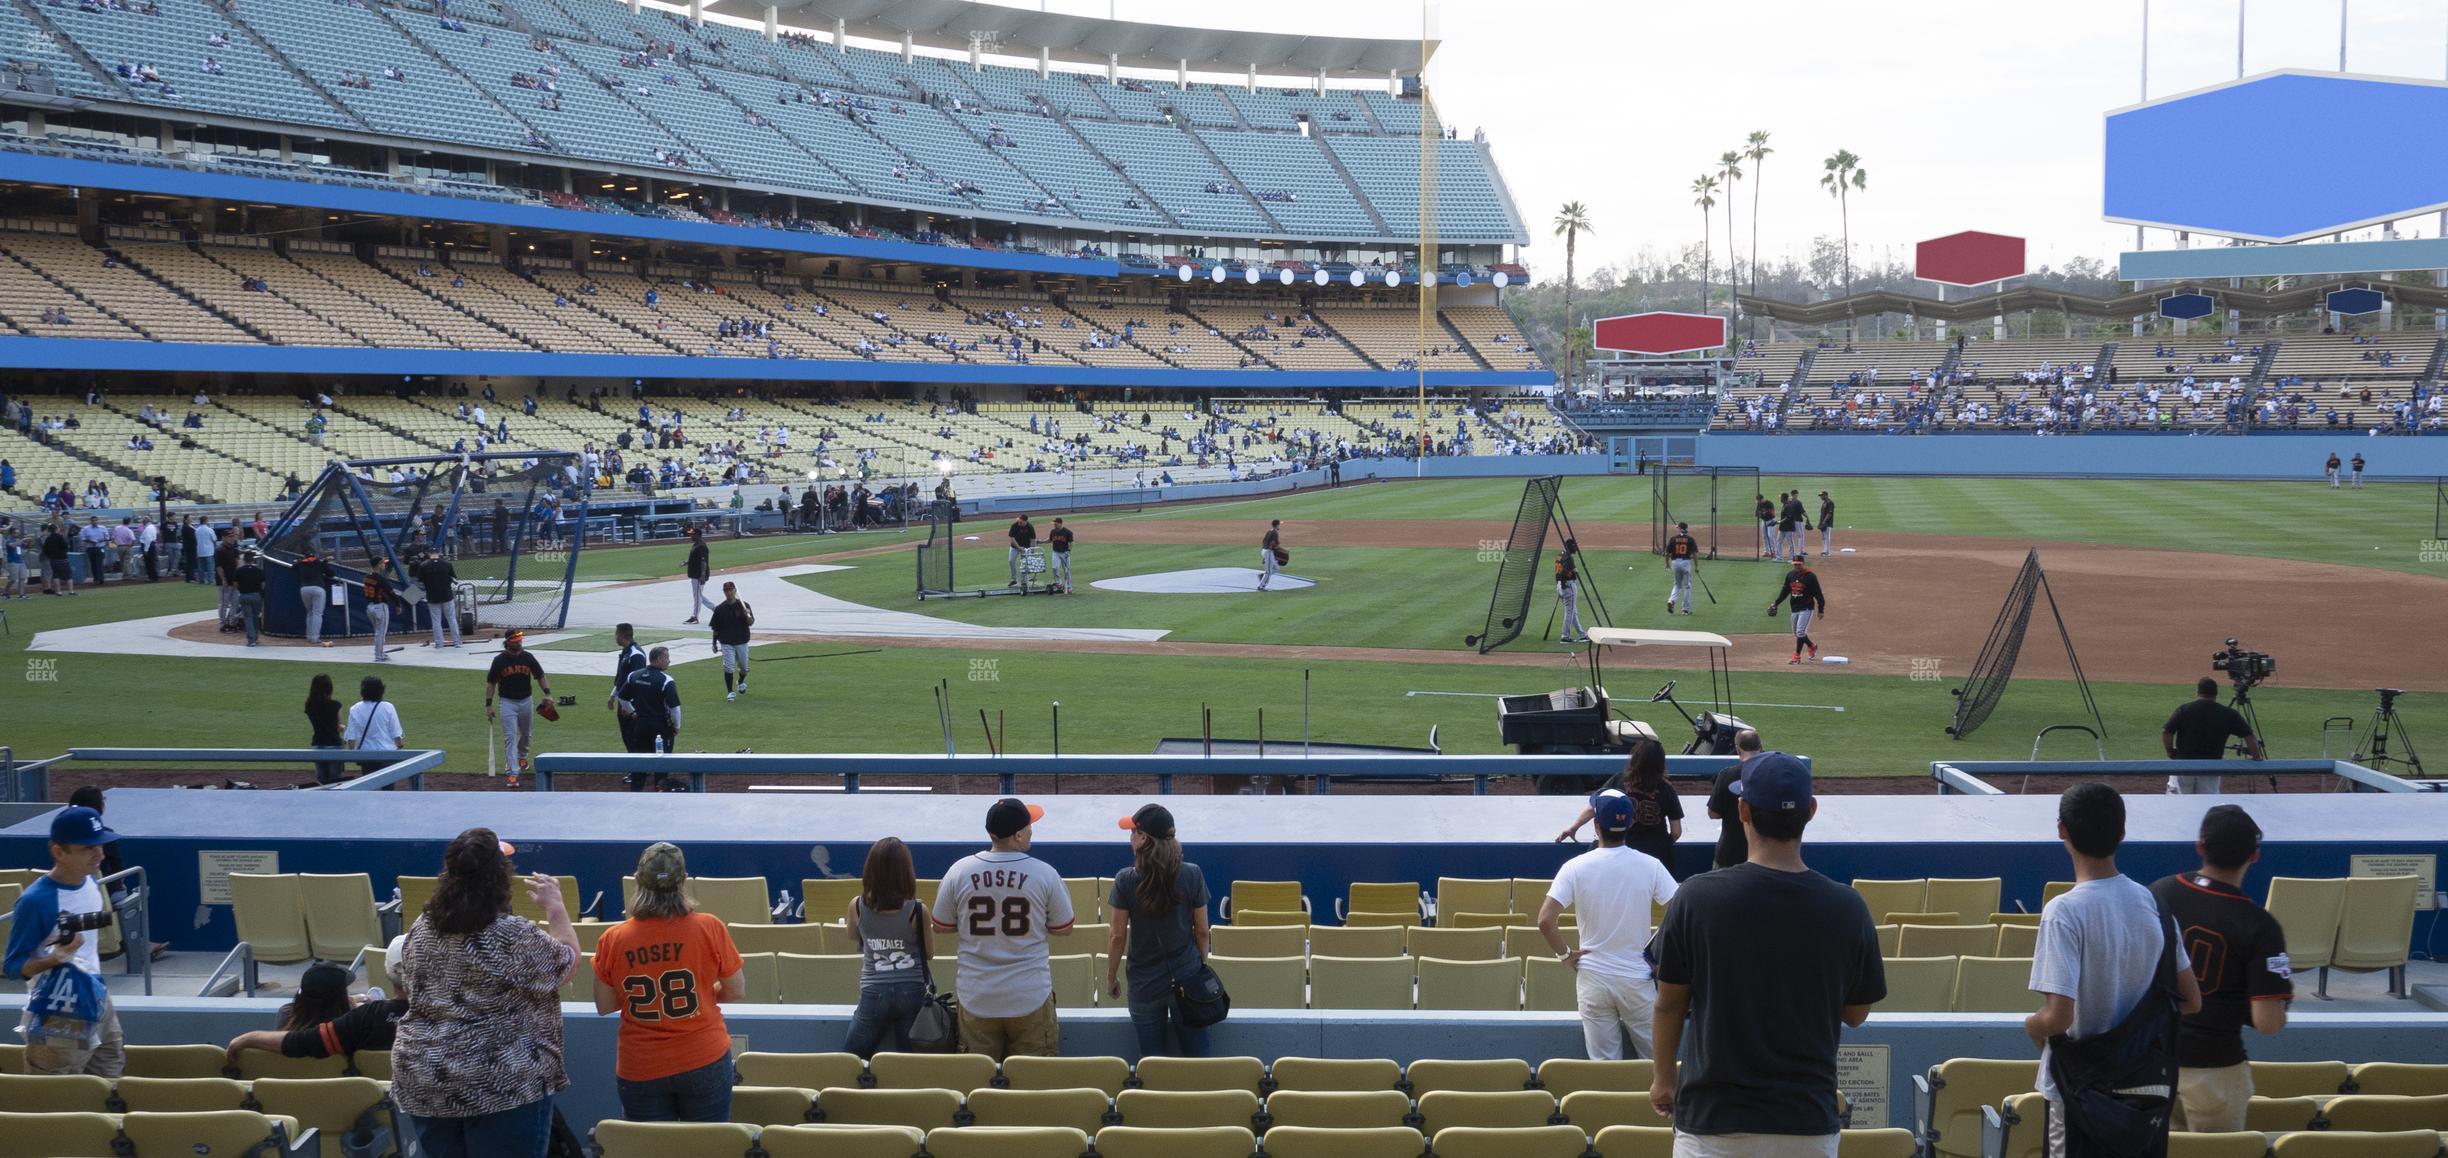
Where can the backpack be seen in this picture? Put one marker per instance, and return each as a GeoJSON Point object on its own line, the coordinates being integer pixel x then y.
{"type": "Point", "coordinates": [2119, 1087]}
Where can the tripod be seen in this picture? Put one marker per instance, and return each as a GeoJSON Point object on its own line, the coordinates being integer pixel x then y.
{"type": "Point", "coordinates": [2242, 703]}
{"type": "Point", "coordinates": [2385, 723]}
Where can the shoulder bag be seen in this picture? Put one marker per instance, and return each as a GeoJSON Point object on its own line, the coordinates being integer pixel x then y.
{"type": "Point", "coordinates": [936, 1029]}
{"type": "Point", "coordinates": [2119, 1087]}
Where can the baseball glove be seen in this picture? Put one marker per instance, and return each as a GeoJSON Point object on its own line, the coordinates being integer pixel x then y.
{"type": "Point", "coordinates": [548, 711]}
{"type": "Point", "coordinates": [1282, 557]}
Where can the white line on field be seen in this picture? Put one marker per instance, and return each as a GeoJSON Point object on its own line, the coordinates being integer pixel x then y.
{"type": "Point", "coordinates": [1736, 703]}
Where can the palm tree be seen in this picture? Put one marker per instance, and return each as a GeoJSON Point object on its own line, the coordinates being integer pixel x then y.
{"type": "Point", "coordinates": [1704, 190]}
{"type": "Point", "coordinates": [1571, 222]}
{"type": "Point", "coordinates": [1757, 154]}
{"type": "Point", "coordinates": [1844, 173]}
{"type": "Point", "coordinates": [1729, 167]}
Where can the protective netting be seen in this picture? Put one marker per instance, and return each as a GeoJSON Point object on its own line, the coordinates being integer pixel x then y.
{"type": "Point", "coordinates": [935, 555]}
{"type": "Point", "coordinates": [510, 526]}
{"type": "Point", "coordinates": [1717, 501]}
{"type": "Point", "coordinates": [1995, 665]}
{"type": "Point", "coordinates": [1518, 567]}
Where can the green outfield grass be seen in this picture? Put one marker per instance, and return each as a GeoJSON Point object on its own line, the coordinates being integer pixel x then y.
{"type": "Point", "coordinates": [821, 697]}
{"type": "Point", "coordinates": [812, 697]}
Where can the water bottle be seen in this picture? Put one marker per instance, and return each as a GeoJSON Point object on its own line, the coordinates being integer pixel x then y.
{"type": "Point", "coordinates": [658, 745]}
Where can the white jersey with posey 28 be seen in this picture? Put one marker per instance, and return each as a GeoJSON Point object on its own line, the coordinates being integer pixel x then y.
{"type": "Point", "coordinates": [1002, 905]}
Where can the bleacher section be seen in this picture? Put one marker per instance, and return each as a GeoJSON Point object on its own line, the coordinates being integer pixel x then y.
{"type": "Point", "coordinates": [590, 80]}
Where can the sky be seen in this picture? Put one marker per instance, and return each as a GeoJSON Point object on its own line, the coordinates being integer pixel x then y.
{"type": "Point", "coordinates": [1967, 115]}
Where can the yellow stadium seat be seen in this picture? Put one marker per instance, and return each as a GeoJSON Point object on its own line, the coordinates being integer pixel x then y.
{"type": "Point", "coordinates": [2387, 1113]}
{"type": "Point", "coordinates": [1887, 937]}
{"type": "Point", "coordinates": [1088, 896]}
{"type": "Point", "coordinates": [1180, 1109]}
{"type": "Point", "coordinates": [1876, 1143]}
{"type": "Point", "coordinates": [760, 973]}
{"type": "Point", "coordinates": [1339, 1109]}
{"type": "Point", "coordinates": [1084, 1110]}
{"type": "Point", "coordinates": [1397, 901]}
{"type": "Point", "coordinates": [1007, 1142]}
{"type": "Point", "coordinates": [1203, 1142]}
{"type": "Point", "coordinates": [1490, 1075]}
{"type": "Point", "coordinates": [1947, 1100]}
{"type": "Point", "coordinates": [1110, 1074]}
{"type": "Point", "coordinates": [2375, 929]}
{"type": "Point", "coordinates": [1511, 1109]}
{"type": "Point", "coordinates": [1454, 944]}
{"type": "Point", "coordinates": [2347, 1144]}
{"type": "Point", "coordinates": [2241, 1144]}
{"type": "Point", "coordinates": [2020, 1126]}
{"type": "Point", "coordinates": [47, 1093]}
{"type": "Point", "coordinates": [812, 980]}
{"type": "Point", "coordinates": [2411, 1079]}
{"type": "Point", "coordinates": [1565, 1076]}
{"type": "Point", "coordinates": [771, 1105]}
{"type": "Point", "coordinates": [1970, 899]}
{"type": "Point", "coordinates": [259, 1063]}
{"type": "Point", "coordinates": [1196, 1074]}
{"type": "Point", "coordinates": [1270, 917]}
{"type": "Point", "coordinates": [182, 1095]}
{"type": "Point", "coordinates": [1470, 985]}
{"type": "Point", "coordinates": [2018, 940]}
{"type": "Point", "coordinates": [1456, 895]}
{"type": "Point", "coordinates": [923, 1109]}
{"type": "Point", "coordinates": [175, 1061]}
{"type": "Point", "coordinates": [1324, 1075]}
{"type": "Point", "coordinates": [1513, 1142]}
{"type": "Point", "coordinates": [1920, 985]}
{"type": "Point", "coordinates": [1947, 941]}
{"type": "Point", "coordinates": [2312, 1079]}
{"type": "Point", "coordinates": [270, 910]}
{"type": "Point", "coordinates": [1311, 1142]}
{"type": "Point", "coordinates": [619, 1139]}
{"type": "Point", "coordinates": [824, 900]}
{"type": "Point", "coordinates": [62, 1134]}
{"type": "Point", "coordinates": [833, 1140]}
{"type": "Point", "coordinates": [960, 1072]}
{"type": "Point", "coordinates": [814, 1071]}
{"type": "Point", "coordinates": [1884, 897]}
{"type": "Point", "coordinates": [805, 940]}
{"type": "Point", "coordinates": [2279, 1115]}
{"type": "Point", "coordinates": [2308, 911]}
{"type": "Point", "coordinates": [1266, 896]}
{"type": "Point", "coordinates": [1359, 982]}
{"type": "Point", "coordinates": [1635, 1142]}
{"type": "Point", "coordinates": [1994, 985]}
{"type": "Point", "coordinates": [1258, 941]}
{"type": "Point", "coordinates": [212, 1132]}
{"type": "Point", "coordinates": [1349, 941]}
{"type": "Point", "coordinates": [1595, 1110]}
{"type": "Point", "coordinates": [340, 916]}
{"type": "Point", "coordinates": [1264, 982]}
{"type": "Point", "coordinates": [1549, 985]}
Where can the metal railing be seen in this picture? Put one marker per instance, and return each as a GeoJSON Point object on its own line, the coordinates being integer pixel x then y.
{"type": "Point", "coordinates": [30, 783]}
{"type": "Point", "coordinates": [1321, 771]}
{"type": "Point", "coordinates": [1970, 777]}
{"type": "Point", "coordinates": [237, 968]}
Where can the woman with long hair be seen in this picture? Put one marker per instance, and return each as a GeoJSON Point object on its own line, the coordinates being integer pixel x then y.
{"type": "Point", "coordinates": [323, 994]}
{"type": "Point", "coordinates": [654, 969]}
{"type": "Point", "coordinates": [323, 715]}
{"type": "Point", "coordinates": [1160, 913]}
{"type": "Point", "coordinates": [477, 1059]}
{"type": "Point", "coordinates": [1657, 813]}
{"type": "Point", "coordinates": [895, 943]}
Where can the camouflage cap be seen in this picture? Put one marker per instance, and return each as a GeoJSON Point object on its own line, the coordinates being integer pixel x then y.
{"type": "Point", "coordinates": [661, 868]}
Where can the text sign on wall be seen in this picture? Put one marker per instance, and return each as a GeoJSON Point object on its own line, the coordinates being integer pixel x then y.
{"type": "Point", "coordinates": [213, 867]}
{"type": "Point", "coordinates": [1863, 1075]}
{"type": "Point", "coordinates": [2422, 866]}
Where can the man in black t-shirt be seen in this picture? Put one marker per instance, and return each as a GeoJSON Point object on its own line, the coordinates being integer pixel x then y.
{"type": "Point", "coordinates": [631, 658]}
{"type": "Point", "coordinates": [1800, 589]}
{"type": "Point", "coordinates": [1768, 958]}
{"type": "Point", "coordinates": [649, 700]}
{"type": "Point", "coordinates": [1023, 535]}
{"type": "Point", "coordinates": [2198, 730]}
{"type": "Point", "coordinates": [1766, 513]}
{"type": "Point", "coordinates": [2239, 956]}
{"type": "Point", "coordinates": [1827, 524]}
{"type": "Point", "coordinates": [2357, 467]}
{"type": "Point", "coordinates": [700, 567]}
{"type": "Point", "coordinates": [440, 583]}
{"type": "Point", "coordinates": [1725, 799]}
{"type": "Point", "coordinates": [247, 580]}
{"type": "Point", "coordinates": [2330, 469]}
{"type": "Point", "coordinates": [515, 677]}
{"type": "Point", "coordinates": [1059, 540]}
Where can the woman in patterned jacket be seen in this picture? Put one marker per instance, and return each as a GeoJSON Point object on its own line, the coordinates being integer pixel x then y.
{"type": "Point", "coordinates": [477, 1059]}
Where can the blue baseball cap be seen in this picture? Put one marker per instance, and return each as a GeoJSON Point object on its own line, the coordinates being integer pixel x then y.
{"type": "Point", "coordinates": [1614, 812]}
{"type": "Point", "coordinates": [79, 825]}
{"type": "Point", "coordinates": [1776, 782]}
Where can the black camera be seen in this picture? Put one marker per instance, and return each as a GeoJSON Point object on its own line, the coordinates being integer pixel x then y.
{"type": "Point", "coordinates": [83, 922]}
{"type": "Point", "coordinates": [2244, 667]}
{"type": "Point", "coordinates": [2388, 697]}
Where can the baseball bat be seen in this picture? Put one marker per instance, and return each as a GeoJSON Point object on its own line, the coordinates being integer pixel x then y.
{"type": "Point", "coordinates": [490, 768]}
{"type": "Point", "coordinates": [1551, 614]}
{"type": "Point", "coordinates": [1704, 587]}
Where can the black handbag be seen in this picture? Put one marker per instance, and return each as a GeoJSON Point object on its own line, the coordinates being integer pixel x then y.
{"type": "Point", "coordinates": [936, 1028]}
{"type": "Point", "coordinates": [1199, 999]}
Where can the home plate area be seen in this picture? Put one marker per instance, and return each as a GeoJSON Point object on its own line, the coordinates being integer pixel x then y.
{"type": "Point", "coordinates": [1202, 581]}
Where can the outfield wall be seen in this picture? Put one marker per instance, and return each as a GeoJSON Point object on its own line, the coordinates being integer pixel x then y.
{"type": "Point", "coordinates": [2223, 456]}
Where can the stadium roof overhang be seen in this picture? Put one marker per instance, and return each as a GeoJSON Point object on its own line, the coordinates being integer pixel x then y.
{"type": "Point", "coordinates": [954, 24]}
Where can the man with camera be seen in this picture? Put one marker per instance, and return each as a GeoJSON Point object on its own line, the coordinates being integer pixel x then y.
{"type": "Point", "coordinates": [2198, 730]}
{"type": "Point", "coordinates": [69, 1025]}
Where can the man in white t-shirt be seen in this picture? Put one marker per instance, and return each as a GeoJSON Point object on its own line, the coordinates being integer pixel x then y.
{"type": "Point", "coordinates": [1613, 887]}
{"type": "Point", "coordinates": [1002, 904]}
{"type": "Point", "coordinates": [2099, 947]}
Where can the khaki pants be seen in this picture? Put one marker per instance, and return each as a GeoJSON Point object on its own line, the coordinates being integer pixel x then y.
{"type": "Point", "coordinates": [1612, 1007]}
{"type": "Point", "coordinates": [65, 1055]}
{"type": "Point", "coordinates": [1035, 1034]}
{"type": "Point", "coordinates": [2212, 1100]}
{"type": "Point", "coordinates": [1754, 1145]}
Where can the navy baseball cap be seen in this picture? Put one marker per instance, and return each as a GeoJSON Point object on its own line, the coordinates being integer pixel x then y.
{"type": "Point", "coordinates": [1776, 782]}
{"type": "Point", "coordinates": [1614, 811]}
{"type": "Point", "coordinates": [80, 826]}
{"type": "Point", "coordinates": [1006, 817]}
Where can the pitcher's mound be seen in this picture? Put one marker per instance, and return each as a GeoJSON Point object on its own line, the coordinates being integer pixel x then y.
{"type": "Point", "coordinates": [1203, 581]}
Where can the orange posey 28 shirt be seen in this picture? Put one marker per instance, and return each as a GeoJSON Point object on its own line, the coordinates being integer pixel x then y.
{"type": "Point", "coordinates": [665, 970]}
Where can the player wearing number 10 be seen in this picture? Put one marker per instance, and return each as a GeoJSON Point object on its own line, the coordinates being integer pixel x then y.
{"type": "Point", "coordinates": [666, 970]}
{"type": "Point", "coordinates": [1003, 903]}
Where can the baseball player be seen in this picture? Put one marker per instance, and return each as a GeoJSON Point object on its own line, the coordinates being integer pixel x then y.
{"type": "Point", "coordinates": [1801, 590]}
{"type": "Point", "coordinates": [1827, 524]}
{"type": "Point", "coordinates": [648, 701]}
{"type": "Point", "coordinates": [516, 675]}
{"type": "Point", "coordinates": [1682, 551]}
{"type": "Point", "coordinates": [732, 619]}
{"type": "Point", "coordinates": [1766, 513]}
{"type": "Point", "coordinates": [1023, 536]}
{"type": "Point", "coordinates": [1568, 592]}
{"type": "Point", "coordinates": [1791, 522]}
{"type": "Point", "coordinates": [1270, 553]}
{"type": "Point", "coordinates": [1059, 540]}
{"type": "Point", "coordinates": [632, 657]}
{"type": "Point", "coordinates": [700, 569]}
{"type": "Point", "coordinates": [440, 582]}
{"type": "Point", "coordinates": [2357, 466]}
{"type": "Point", "coordinates": [379, 599]}
{"type": "Point", "coordinates": [2331, 470]}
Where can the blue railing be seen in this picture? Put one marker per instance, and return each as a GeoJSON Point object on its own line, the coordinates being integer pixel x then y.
{"type": "Point", "coordinates": [1321, 771]}
{"type": "Point", "coordinates": [30, 783]}
{"type": "Point", "coordinates": [1971, 777]}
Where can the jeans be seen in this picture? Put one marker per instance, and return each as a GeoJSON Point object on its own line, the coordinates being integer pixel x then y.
{"type": "Point", "coordinates": [378, 616]}
{"type": "Point", "coordinates": [313, 601]}
{"type": "Point", "coordinates": [883, 1018]}
{"type": "Point", "coordinates": [330, 773]}
{"type": "Point", "coordinates": [250, 608]}
{"type": "Point", "coordinates": [1153, 1019]}
{"type": "Point", "coordinates": [519, 1132]}
{"type": "Point", "coordinates": [445, 616]}
{"type": "Point", "coordinates": [699, 1095]}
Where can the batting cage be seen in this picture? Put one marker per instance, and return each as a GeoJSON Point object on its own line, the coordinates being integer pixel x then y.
{"type": "Point", "coordinates": [508, 523]}
{"type": "Point", "coordinates": [1517, 568]}
{"type": "Point", "coordinates": [1996, 663]}
{"type": "Point", "coordinates": [1716, 500]}
{"type": "Point", "coordinates": [935, 555]}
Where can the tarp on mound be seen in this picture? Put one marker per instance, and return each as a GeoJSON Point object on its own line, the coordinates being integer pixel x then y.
{"type": "Point", "coordinates": [1203, 581]}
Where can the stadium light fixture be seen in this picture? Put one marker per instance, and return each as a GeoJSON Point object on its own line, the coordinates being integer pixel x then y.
{"type": "Point", "coordinates": [1182, 271]}
{"type": "Point", "coordinates": [1321, 277]}
{"type": "Point", "coordinates": [1503, 279]}
{"type": "Point", "coordinates": [1393, 278]}
{"type": "Point", "coordinates": [1358, 279]}
{"type": "Point", "coordinates": [1284, 276]}
{"type": "Point", "coordinates": [1250, 275]}
{"type": "Point", "coordinates": [1218, 274]}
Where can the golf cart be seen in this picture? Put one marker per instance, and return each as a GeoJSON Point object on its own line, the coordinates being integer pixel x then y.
{"type": "Point", "coordinates": [1585, 720]}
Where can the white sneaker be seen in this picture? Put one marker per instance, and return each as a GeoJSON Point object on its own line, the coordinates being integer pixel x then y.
{"type": "Point", "coordinates": [731, 697]}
